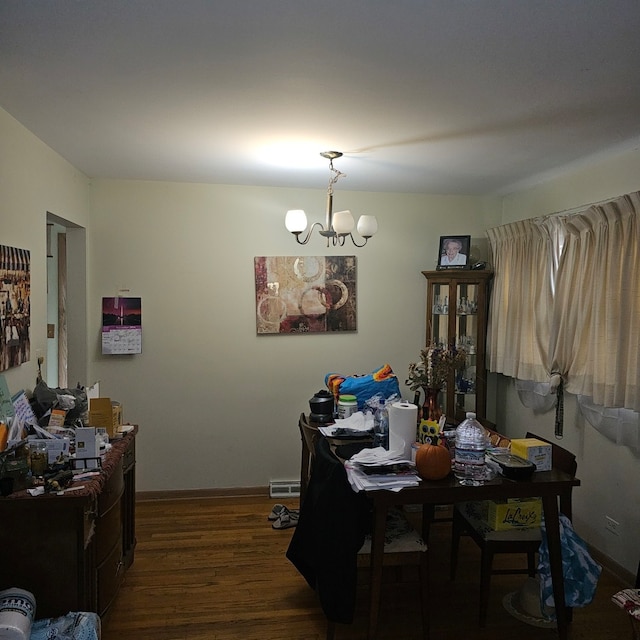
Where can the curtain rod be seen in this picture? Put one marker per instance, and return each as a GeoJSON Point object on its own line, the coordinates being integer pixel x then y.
{"type": "Point", "coordinates": [583, 207]}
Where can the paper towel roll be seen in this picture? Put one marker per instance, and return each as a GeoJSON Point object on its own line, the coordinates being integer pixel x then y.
{"type": "Point", "coordinates": [403, 418]}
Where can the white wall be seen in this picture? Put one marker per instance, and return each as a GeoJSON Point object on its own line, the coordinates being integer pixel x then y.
{"type": "Point", "coordinates": [218, 405]}
{"type": "Point", "coordinates": [34, 180]}
{"type": "Point", "coordinates": [610, 474]}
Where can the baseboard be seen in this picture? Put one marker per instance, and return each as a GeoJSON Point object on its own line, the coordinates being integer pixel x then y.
{"type": "Point", "coordinates": [610, 565]}
{"type": "Point", "coordinates": [192, 494]}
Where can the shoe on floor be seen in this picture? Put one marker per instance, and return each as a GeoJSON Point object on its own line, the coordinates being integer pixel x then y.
{"type": "Point", "coordinates": [278, 510]}
{"type": "Point", "coordinates": [286, 520]}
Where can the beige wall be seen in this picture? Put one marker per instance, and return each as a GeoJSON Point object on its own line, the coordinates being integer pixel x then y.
{"type": "Point", "coordinates": [610, 474]}
{"type": "Point", "coordinates": [217, 404]}
{"type": "Point", "coordinates": [34, 180]}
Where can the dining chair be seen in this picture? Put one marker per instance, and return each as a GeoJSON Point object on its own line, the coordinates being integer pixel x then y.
{"type": "Point", "coordinates": [308, 436]}
{"type": "Point", "coordinates": [403, 544]}
{"type": "Point", "coordinates": [469, 519]}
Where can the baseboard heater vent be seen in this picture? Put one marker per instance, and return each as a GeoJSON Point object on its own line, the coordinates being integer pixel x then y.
{"type": "Point", "coordinates": [284, 489]}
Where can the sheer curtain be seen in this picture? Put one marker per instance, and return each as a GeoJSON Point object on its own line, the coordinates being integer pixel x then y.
{"type": "Point", "coordinates": [565, 309]}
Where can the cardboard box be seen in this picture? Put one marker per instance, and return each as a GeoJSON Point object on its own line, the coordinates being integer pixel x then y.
{"type": "Point", "coordinates": [105, 413]}
{"type": "Point", "coordinates": [524, 513]}
{"type": "Point", "coordinates": [534, 450]}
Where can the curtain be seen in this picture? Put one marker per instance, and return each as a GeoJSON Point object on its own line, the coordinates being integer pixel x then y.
{"type": "Point", "coordinates": [521, 301]}
{"type": "Point", "coordinates": [565, 308]}
{"type": "Point", "coordinates": [596, 316]}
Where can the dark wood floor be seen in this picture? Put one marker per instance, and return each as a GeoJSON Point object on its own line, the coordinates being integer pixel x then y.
{"type": "Point", "coordinates": [214, 569]}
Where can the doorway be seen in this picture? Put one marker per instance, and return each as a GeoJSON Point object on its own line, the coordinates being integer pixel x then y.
{"type": "Point", "coordinates": [66, 361]}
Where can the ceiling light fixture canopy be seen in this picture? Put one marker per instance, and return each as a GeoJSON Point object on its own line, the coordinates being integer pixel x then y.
{"type": "Point", "coordinates": [339, 225]}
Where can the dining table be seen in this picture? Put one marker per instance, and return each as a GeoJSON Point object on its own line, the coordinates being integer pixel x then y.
{"type": "Point", "coordinates": [329, 483]}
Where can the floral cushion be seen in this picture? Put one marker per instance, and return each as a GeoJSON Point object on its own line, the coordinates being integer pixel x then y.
{"type": "Point", "coordinates": [629, 600]}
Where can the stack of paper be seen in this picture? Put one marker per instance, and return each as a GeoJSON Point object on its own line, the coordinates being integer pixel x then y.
{"type": "Point", "coordinates": [356, 423]}
{"type": "Point", "coordinates": [374, 469]}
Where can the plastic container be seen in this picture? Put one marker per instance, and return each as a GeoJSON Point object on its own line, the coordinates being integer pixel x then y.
{"type": "Point", "coordinates": [381, 427]}
{"type": "Point", "coordinates": [38, 457]}
{"type": "Point", "coordinates": [471, 445]}
{"type": "Point", "coordinates": [347, 405]}
{"type": "Point", "coordinates": [17, 611]}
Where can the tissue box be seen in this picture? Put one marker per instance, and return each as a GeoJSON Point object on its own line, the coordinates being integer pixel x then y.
{"type": "Point", "coordinates": [105, 413]}
{"type": "Point", "coordinates": [534, 450]}
{"type": "Point", "coordinates": [524, 513]}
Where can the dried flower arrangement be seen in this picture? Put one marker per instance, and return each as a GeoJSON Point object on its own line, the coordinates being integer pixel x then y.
{"type": "Point", "coordinates": [435, 365]}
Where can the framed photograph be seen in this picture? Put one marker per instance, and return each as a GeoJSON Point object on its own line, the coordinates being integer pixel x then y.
{"type": "Point", "coordinates": [453, 252]}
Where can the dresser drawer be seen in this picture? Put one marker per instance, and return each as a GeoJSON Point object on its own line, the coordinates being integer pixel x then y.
{"type": "Point", "coordinates": [112, 490]}
{"type": "Point", "coordinates": [108, 531]}
{"type": "Point", "coordinates": [110, 576]}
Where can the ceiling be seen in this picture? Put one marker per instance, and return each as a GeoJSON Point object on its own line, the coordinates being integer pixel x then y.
{"type": "Point", "coordinates": [426, 96]}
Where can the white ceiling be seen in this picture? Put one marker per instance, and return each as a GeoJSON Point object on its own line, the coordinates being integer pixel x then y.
{"type": "Point", "coordinates": [437, 96]}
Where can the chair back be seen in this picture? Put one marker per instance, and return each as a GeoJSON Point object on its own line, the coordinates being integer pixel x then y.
{"type": "Point", "coordinates": [309, 436]}
{"type": "Point", "coordinates": [564, 461]}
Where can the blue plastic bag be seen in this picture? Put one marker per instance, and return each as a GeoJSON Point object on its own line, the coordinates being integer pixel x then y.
{"type": "Point", "coordinates": [581, 572]}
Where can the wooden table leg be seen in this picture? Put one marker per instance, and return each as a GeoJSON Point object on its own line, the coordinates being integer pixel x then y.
{"type": "Point", "coordinates": [377, 555]}
{"type": "Point", "coordinates": [552, 524]}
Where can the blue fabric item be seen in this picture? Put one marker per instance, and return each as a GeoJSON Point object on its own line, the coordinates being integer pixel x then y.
{"type": "Point", "coordinates": [581, 572]}
{"type": "Point", "coordinates": [382, 381]}
{"type": "Point", "coordinates": [77, 625]}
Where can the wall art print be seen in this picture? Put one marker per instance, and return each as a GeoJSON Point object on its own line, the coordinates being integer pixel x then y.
{"type": "Point", "coordinates": [15, 309]}
{"type": "Point", "coordinates": [305, 294]}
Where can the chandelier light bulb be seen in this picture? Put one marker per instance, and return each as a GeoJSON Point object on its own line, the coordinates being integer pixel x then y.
{"type": "Point", "coordinates": [343, 222]}
{"type": "Point", "coordinates": [367, 226]}
{"type": "Point", "coordinates": [295, 221]}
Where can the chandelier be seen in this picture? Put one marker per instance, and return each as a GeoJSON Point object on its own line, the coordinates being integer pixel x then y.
{"type": "Point", "coordinates": [339, 225]}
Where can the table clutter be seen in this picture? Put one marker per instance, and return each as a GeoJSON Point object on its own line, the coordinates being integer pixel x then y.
{"type": "Point", "coordinates": [368, 409]}
{"type": "Point", "coordinates": [54, 438]}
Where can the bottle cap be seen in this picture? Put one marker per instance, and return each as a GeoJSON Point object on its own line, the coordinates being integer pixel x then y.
{"type": "Point", "coordinates": [347, 398]}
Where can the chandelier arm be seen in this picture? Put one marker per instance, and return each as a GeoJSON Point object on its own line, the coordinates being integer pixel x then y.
{"type": "Point", "coordinates": [308, 236]}
{"type": "Point", "coordinates": [354, 240]}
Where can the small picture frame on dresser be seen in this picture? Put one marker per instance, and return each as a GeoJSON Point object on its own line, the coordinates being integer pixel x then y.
{"type": "Point", "coordinates": [453, 252]}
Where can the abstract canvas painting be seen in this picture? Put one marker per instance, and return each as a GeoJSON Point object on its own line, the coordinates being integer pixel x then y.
{"type": "Point", "coordinates": [305, 294]}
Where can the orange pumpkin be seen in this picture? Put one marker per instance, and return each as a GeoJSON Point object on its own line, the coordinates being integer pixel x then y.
{"type": "Point", "coordinates": [433, 462]}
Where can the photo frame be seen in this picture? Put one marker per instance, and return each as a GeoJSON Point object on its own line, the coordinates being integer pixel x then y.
{"type": "Point", "coordinates": [453, 252]}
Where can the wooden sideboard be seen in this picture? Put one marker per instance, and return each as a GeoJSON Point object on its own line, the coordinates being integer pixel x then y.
{"type": "Point", "coordinates": [71, 551]}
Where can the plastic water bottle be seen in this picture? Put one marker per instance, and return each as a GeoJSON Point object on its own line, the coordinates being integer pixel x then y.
{"type": "Point", "coordinates": [471, 444]}
{"type": "Point", "coordinates": [381, 427]}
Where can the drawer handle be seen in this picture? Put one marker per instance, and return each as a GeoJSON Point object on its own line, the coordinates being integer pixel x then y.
{"type": "Point", "coordinates": [120, 567]}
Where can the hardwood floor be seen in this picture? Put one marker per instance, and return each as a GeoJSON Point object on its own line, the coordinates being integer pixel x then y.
{"type": "Point", "coordinates": [214, 569]}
